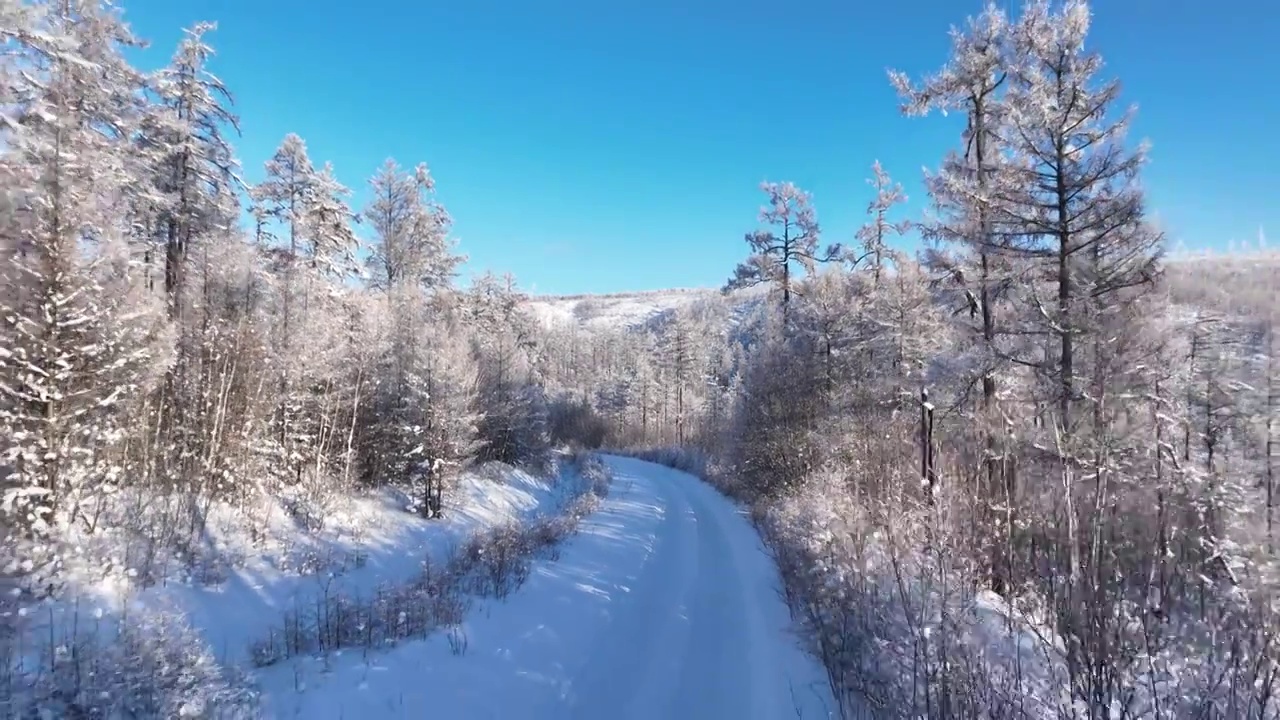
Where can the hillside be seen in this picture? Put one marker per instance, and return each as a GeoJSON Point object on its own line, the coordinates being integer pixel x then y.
{"type": "Point", "coordinates": [1190, 274]}
{"type": "Point", "coordinates": [614, 310]}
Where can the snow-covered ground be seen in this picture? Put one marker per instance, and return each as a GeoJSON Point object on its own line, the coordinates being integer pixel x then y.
{"type": "Point", "coordinates": [665, 605]}
{"type": "Point", "coordinates": [620, 310]}
{"type": "Point", "coordinates": [389, 548]}
{"type": "Point", "coordinates": [265, 564]}
{"type": "Point", "coordinates": [380, 543]}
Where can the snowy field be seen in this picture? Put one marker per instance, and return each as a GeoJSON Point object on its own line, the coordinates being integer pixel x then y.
{"type": "Point", "coordinates": [663, 606]}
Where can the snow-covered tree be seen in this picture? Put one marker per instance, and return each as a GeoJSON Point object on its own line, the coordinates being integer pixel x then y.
{"type": "Point", "coordinates": [1076, 206]}
{"type": "Point", "coordinates": [775, 253]}
{"type": "Point", "coordinates": [411, 230]}
{"type": "Point", "coordinates": [311, 205]}
{"type": "Point", "coordinates": [424, 427]}
{"type": "Point", "coordinates": [195, 167]}
{"type": "Point", "coordinates": [316, 250]}
{"type": "Point", "coordinates": [874, 236]}
{"type": "Point", "coordinates": [332, 243]}
{"type": "Point", "coordinates": [67, 366]}
{"type": "Point", "coordinates": [965, 188]}
{"type": "Point", "coordinates": [514, 426]}
{"type": "Point", "coordinates": [968, 246]}
{"type": "Point", "coordinates": [284, 197]}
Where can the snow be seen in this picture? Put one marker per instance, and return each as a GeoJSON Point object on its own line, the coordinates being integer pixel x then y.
{"type": "Point", "coordinates": [368, 541]}
{"type": "Point", "coordinates": [664, 606]}
{"type": "Point", "coordinates": [616, 311]}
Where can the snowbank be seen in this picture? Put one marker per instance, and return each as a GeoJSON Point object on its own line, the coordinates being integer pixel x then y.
{"type": "Point", "coordinates": [204, 607]}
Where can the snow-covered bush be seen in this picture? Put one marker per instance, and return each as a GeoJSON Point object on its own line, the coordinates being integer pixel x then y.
{"type": "Point", "coordinates": [885, 599]}
{"type": "Point", "coordinates": [590, 476]}
{"type": "Point", "coordinates": [391, 614]}
{"type": "Point", "coordinates": [575, 424]}
{"type": "Point", "coordinates": [690, 460]}
{"type": "Point", "coordinates": [143, 666]}
{"type": "Point", "coordinates": [496, 562]}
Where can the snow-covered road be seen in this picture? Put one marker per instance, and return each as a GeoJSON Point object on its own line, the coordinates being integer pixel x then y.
{"type": "Point", "coordinates": [664, 607]}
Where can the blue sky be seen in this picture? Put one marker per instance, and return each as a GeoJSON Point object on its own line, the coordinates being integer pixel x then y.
{"type": "Point", "coordinates": [603, 146]}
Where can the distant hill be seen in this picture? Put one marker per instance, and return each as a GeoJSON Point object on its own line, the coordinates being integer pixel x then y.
{"type": "Point", "coordinates": [624, 310]}
{"type": "Point", "coordinates": [1194, 276]}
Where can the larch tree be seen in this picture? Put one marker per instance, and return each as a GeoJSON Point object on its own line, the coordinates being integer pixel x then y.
{"type": "Point", "coordinates": [195, 167]}
{"type": "Point", "coordinates": [1076, 204]}
{"type": "Point", "coordinates": [794, 241]}
{"type": "Point", "coordinates": [318, 247]}
{"type": "Point", "coordinates": [681, 350]}
{"type": "Point", "coordinates": [332, 244]}
{"type": "Point", "coordinates": [1074, 222]}
{"type": "Point", "coordinates": [426, 410]}
{"type": "Point", "coordinates": [965, 187]}
{"type": "Point", "coordinates": [874, 236]}
{"type": "Point", "coordinates": [968, 246]}
{"type": "Point", "coordinates": [312, 207]}
{"type": "Point", "coordinates": [871, 312]}
{"type": "Point", "coordinates": [67, 366]}
{"type": "Point", "coordinates": [191, 204]}
{"type": "Point", "coordinates": [412, 230]}
{"type": "Point", "coordinates": [514, 426]}
{"type": "Point", "coordinates": [284, 198]}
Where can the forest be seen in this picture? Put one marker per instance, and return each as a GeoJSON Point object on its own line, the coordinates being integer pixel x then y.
{"type": "Point", "coordinates": [1026, 471]}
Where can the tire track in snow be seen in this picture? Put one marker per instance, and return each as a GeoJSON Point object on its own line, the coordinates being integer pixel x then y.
{"type": "Point", "coordinates": [631, 656]}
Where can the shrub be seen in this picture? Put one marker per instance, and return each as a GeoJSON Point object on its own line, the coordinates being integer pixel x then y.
{"type": "Point", "coordinates": [143, 666]}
